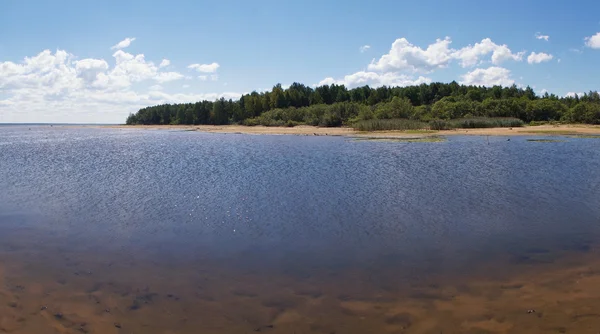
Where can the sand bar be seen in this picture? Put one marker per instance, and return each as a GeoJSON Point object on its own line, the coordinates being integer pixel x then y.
{"type": "Point", "coordinates": [541, 130]}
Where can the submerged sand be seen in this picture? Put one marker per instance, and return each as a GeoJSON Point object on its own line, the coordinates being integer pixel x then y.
{"type": "Point", "coordinates": [117, 293]}
{"type": "Point", "coordinates": [542, 130]}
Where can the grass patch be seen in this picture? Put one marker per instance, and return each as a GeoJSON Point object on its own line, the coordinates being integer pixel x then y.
{"type": "Point", "coordinates": [476, 123]}
{"type": "Point", "coordinates": [553, 132]}
{"type": "Point", "coordinates": [420, 131]}
{"type": "Point", "coordinates": [538, 123]}
{"type": "Point", "coordinates": [390, 124]}
{"type": "Point", "coordinates": [585, 136]}
{"type": "Point", "coordinates": [436, 124]}
{"type": "Point", "coordinates": [546, 140]}
{"type": "Point", "coordinates": [431, 139]}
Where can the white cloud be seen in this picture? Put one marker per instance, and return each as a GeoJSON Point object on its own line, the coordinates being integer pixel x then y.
{"type": "Point", "coordinates": [123, 44]}
{"type": "Point", "coordinates": [185, 86]}
{"type": "Point", "coordinates": [543, 91]}
{"type": "Point", "coordinates": [539, 35]}
{"type": "Point", "coordinates": [203, 77]}
{"type": "Point", "coordinates": [405, 56]}
{"type": "Point", "coordinates": [374, 79]}
{"type": "Point", "coordinates": [56, 87]}
{"type": "Point", "coordinates": [558, 60]}
{"type": "Point", "coordinates": [168, 76]}
{"type": "Point", "coordinates": [575, 50]}
{"type": "Point", "coordinates": [89, 69]}
{"type": "Point", "coordinates": [364, 48]}
{"type": "Point", "coordinates": [214, 77]}
{"type": "Point", "coordinates": [471, 55]}
{"type": "Point", "coordinates": [573, 94]}
{"type": "Point", "coordinates": [164, 63]}
{"type": "Point", "coordinates": [131, 68]}
{"type": "Point", "coordinates": [205, 68]}
{"type": "Point", "coordinates": [536, 58]}
{"type": "Point", "coordinates": [490, 76]}
{"type": "Point", "coordinates": [593, 41]}
{"type": "Point", "coordinates": [52, 73]}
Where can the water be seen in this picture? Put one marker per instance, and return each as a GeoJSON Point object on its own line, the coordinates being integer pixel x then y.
{"type": "Point", "coordinates": [248, 232]}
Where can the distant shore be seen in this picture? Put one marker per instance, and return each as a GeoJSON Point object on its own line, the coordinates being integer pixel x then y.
{"type": "Point", "coordinates": [305, 130]}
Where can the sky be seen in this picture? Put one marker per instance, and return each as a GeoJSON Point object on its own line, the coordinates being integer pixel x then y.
{"type": "Point", "coordinates": [95, 62]}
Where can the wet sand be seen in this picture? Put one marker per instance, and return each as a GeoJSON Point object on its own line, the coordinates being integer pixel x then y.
{"type": "Point", "coordinates": [83, 292]}
{"type": "Point", "coordinates": [542, 130]}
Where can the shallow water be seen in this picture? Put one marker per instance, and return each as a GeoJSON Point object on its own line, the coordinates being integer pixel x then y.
{"type": "Point", "coordinates": [141, 231]}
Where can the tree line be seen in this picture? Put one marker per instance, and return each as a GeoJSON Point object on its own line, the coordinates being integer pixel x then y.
{"type": "Point", "coordinates": [335, 105]}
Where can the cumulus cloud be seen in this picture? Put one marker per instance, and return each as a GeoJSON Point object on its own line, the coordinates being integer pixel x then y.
{"type": "Point", "coordinates": [471, 55]}
{"type": "Point", "coordinates": [56, 87]}
{"type": "Point", "coordinates": [593, 41]}
{"type": "Point", "coordinates": [205, 68]}
{"type": "Point", "coordinates": [374, 79]}
{"type": "Point", "coordinates": [405, 56]}
{"type": "Point", "coordinates": [123, 44]}
{"type": "Point", "coordinates": [539, 35]}
{"type": "Point", "coordinates": [573, 94]}
{"type": "Point", "coordinates": [543, 91]}
{"type": "Point", "coordinates": [203, 77]}
{"type": "Point", "coordinates": [168, 76]}
{"type": "Point", "coordinates": [536, 58]}
{"type": "Point", "coordinates": [164, 63]}
{"type": "Point", "coordinates": [46, 71]}
{"type": "Point", "coordinates": [364, 48]}
{"type": "Point", "coordinates": [490, 76]}
{"type": "Point", "coordinates": [89, 69]}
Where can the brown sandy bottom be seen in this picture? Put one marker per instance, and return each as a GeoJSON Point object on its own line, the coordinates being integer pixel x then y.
{"type": "Point", "coordinates": [304, 130]}
{"type": "Point", "coordinates": [73, 292]}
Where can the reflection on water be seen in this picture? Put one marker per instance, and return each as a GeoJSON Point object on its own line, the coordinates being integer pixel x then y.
{"type": "Point", "coordinates": [180, 232]}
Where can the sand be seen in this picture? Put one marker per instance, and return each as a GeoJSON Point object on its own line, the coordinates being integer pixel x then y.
{"type": "Point", "coordinates": [541, 130]}
{"type": "Point", "coordinates": [75, 292]}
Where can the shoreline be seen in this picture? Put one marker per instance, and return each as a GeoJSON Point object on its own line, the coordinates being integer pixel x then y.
{"type": "Point", "coordinates": [306, 130]}
{"type": "Point", "coordinates": [84, 292]}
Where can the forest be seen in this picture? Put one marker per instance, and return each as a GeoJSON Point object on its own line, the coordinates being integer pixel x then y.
{"type": "Point", "coordinates": [335, 105]}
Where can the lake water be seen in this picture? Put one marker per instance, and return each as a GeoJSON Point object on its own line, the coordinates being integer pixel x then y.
{"type": "Point", "coordinates": [142, 231]}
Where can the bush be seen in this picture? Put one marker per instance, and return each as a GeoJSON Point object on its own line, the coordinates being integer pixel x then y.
{"type": "Point", "coordinates": [251, 122]}
{"type": "Point", "coordinates": [545, 110]}
{"type": "Point", "coordinates": [397, 108]}
{"type": "Point", "coordinates": [331, 118]}
{"type": "Point", "coordinates": [438, 124]}
{"type": "Point", "coordinates": [484, 122]}
{"type": "Point", "coordinates": [584, 112]}
{"type": "Point", "coordinates": [389, 124]}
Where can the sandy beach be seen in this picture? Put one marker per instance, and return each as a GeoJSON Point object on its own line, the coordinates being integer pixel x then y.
{"type": "Point", "coordinates": [542, 130]}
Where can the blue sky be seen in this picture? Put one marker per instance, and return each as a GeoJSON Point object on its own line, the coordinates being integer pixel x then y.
{"type": "Point", "coordinates": [83, 61]}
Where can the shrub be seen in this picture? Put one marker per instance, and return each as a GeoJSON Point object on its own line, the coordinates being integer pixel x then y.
{"type": "Point", "coordinates": [485, 122]}
{"type": "Point", "coordinates": [438, 124]}
{"type": "Point", "coordinates": [389, 124]}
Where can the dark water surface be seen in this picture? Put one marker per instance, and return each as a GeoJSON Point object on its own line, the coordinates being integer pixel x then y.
{"type": "Point", "coordinates": [116, 212]}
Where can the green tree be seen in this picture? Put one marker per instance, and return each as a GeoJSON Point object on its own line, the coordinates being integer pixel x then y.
{"type": "Point", "coordinates": [219, 112]}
